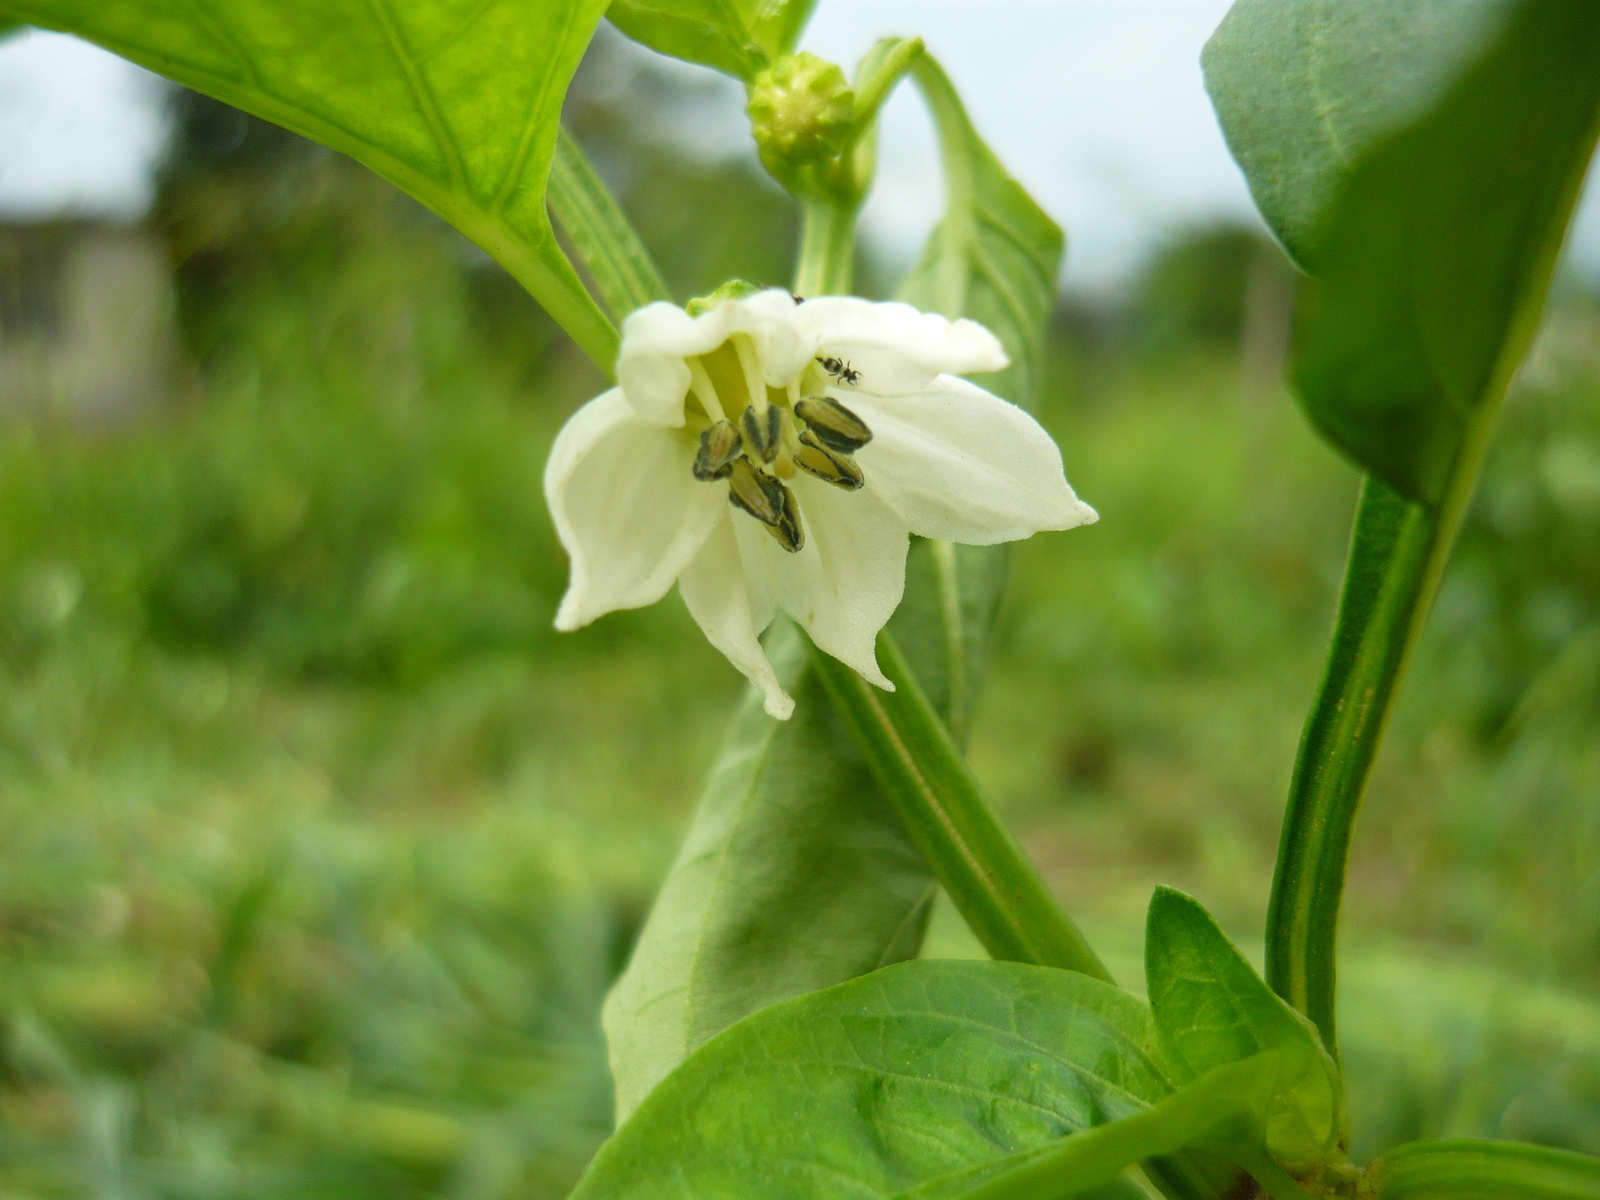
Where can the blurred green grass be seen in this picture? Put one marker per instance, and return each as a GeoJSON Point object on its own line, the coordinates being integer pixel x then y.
{"type": "Point", "coordinates": [321, 847]}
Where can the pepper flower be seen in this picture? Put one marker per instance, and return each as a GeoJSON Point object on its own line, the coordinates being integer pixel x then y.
{"type": "Point", "coordinates": [769, 454]}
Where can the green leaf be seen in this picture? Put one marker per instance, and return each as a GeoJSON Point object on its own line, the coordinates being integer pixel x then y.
{"type": "Point", "coordinates": [1223, 1108]}
{"type": "Point", "coordinates": [739, 37]}
{"type": "Point", "coordinates": [1475, 1170]}
{"type": "Point", "coordinates": [1211, 1009]}
{"type": "Point", "coordinates": [1304, 87]}
{"type": "Point", "coordinates": [1432, 263]}
{"type": "Point", "coordinates": [872, 1087]}
{"type": "Point", "coordinates": [994, 256]}
{"type": "Point", "coordinates": [456, 101]}
{"type": "Point", "coordinates": [1432, 241]}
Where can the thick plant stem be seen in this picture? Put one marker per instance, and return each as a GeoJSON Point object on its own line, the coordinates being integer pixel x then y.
{"type": "Point", "coordinates": [827, 246]}
{"type": "Point", "coordinates": [600, 232]}
{"type": "Point", "coordinates": [948, 818]}
{"type": "Point", "coordinates": [1398, 552]}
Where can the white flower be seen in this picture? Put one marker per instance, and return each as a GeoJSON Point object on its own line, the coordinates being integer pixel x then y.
{"type": "Point", "coordinates": [775, 455]}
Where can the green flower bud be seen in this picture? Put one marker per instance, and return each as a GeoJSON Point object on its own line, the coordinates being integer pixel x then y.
{"type": "Point", "coordinates": [801, 111]}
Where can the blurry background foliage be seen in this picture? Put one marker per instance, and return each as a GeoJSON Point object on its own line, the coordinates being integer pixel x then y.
{"type": "Point", "coordinates": [321, 848]}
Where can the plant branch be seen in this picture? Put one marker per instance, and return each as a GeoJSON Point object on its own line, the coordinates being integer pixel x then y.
{"type": "Point", "coordinates": [948, 818]}
{"type": "Point", "coordinates": [1398, 552]}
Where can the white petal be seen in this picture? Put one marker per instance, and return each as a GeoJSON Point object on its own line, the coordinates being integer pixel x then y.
{"type": "Point", "coordinates": [626, 507]}
{"type": "Point", "coordinates": [658, 337]}
{"type": "Point", "coordinates": [894, 348]}
{"type": "Point", "coordinates": [845, 583]}
{"type": "Point", "coordinates": [959, 464]}
{"type": "Point", "coordinates": [713, 586]}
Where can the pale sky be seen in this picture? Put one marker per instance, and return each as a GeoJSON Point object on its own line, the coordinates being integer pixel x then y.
{"type": "Point", "coordinates": [1096, 106]}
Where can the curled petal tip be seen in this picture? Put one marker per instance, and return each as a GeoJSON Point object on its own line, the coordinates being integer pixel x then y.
{"type": "Point", "coordinates": [1086, 515]}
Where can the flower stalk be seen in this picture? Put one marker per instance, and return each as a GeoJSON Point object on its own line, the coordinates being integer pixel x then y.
{"type": "Point", "coordinates": [926, 777]}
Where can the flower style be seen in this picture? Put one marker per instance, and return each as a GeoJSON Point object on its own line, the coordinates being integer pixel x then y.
{"type": "Point", "coordinates": [776, 454]}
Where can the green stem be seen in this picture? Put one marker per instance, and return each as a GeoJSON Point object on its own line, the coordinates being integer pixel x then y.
{"type": "Point", "coordinates": [945, 813]}
{"type": "Point", "coordinates": [1470, 1170]}
{"type": "Point", "coordinates": [827, 246]}
{"type": "Point", "coordinates": [882, 68]}
{"type": "Point", "coordinates": [1398, 552]}
{"type": "Point", "coordinates": [605, 240]}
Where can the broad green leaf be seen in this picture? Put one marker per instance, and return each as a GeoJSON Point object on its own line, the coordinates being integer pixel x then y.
{"type": "Point", "coordinates": [1479, 1170]}
{"type": "Point", "coordinates": [737, 36]}
{"type": "Point", "coordinates": [872, 1087]}
{"type": "Point", "coordinates": [994, 255]}
{"type": "Point", "coordinates": [1223, 1108]}
{"type": "Point", "coordinates": [456, 101]}
{"type": "Point", "coordinates": [1211, 1009]}
{"type": "Point", "coordinates": [796, 874]}
{"type": "Point", "coordinates": [1304, 87]}
{"type": "Point", "coordinates": [1433, 259]}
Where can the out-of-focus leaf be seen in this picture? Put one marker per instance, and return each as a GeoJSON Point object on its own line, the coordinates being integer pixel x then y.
{"type": "Point", "coordinates": [599, 231]}
{"type": "Point", "coordinates": [737, 36]}
{"type": "Point", "coordinates": [456, 101]}
{"type": "Point", "coordinates": [796, 874]}
{"type": "Point", "coordinates": [1304, 87]}
{"type": "Point", "coordinates": [1433, 260]}
{"type": "Point", "coordinates": [1211, 1009]}
{"type": "Point", "coordinates": [872, 1087]}
{"type": "Point", "coordinates": [994, 255]}
{"type": "Point", "coordinates": [1480, 1170]}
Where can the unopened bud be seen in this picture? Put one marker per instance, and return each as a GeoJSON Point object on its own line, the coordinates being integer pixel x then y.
{"type": "Point", "coordinates": [801, 111]}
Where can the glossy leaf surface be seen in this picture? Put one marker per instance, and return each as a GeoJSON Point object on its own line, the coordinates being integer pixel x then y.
{"type": "Point", "coordinates": [456, 101]}
{"type": "Point", "coordinates": [877, 1085]}
{"type": "Point", "coordinates": [1212, 1009]}
{"type": "Point", "coordinates": [737, 36]}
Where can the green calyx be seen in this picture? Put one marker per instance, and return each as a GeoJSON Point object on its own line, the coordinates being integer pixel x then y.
{"type": "Point", "coordinates": [802, 113]}
{"type": "Point", "coordinates": [734, 289]}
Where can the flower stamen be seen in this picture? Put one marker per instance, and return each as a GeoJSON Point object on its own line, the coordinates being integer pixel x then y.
{"type": "Point", "coordinates": [763, 430]}
{"type": "Point", "coordinates": [827, 465]}
{"type": "Point", "coordinates": [719, 446]}
{"type": "Point", "coordinates": [768, 501]}
{"type": "Point", "coordinates": [704, 390]}
{"type": "Point", "coordinates": [834, 425]}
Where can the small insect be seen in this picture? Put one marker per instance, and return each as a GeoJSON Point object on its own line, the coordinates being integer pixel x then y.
{"type": "Point", "coordinates": [841, 371]}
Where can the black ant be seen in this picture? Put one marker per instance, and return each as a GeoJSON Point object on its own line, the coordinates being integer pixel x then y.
{"type": "Point", "coordinates": [841, 371]}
